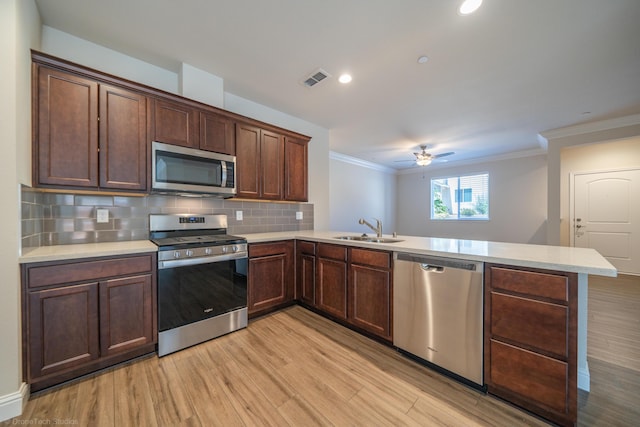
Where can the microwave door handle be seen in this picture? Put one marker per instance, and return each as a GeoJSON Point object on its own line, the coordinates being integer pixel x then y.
{"type": "Point", "coordinates": [223, 183]}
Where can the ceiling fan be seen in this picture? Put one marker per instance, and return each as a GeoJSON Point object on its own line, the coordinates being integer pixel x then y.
{"type": "Point", "coordinates": [423, 158]}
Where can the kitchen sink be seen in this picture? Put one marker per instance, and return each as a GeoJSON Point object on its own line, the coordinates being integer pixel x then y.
{"type": "Point", "coordinates": [368, 239]}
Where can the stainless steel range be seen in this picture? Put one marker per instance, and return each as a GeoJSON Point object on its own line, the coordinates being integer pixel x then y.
{"type": "Point", "coordinates": [202, 279]}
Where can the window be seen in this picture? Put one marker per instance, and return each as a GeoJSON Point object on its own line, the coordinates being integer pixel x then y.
{"type": "Point", "coordinates": [460, 197]}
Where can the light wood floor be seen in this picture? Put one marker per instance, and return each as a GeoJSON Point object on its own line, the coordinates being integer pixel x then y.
{"type": "Point", "coordinates": [296, 368]}
{"type": "Point", "coordinates": [614, 320]}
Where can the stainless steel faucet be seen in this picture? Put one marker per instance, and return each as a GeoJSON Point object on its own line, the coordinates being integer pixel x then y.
{"type": "Point", "coordinates": [377, 228]}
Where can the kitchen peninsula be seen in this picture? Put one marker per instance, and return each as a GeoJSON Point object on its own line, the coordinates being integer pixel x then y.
{"type": "Point", "coordinates": [558, 273]}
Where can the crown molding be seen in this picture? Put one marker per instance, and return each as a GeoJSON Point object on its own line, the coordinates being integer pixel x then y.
{"type": "Point", "coordinates": [359, 162]}
{"type": "Point", "coordinates": [590, 127]}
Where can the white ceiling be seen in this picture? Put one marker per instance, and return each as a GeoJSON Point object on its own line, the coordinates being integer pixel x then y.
{"type": "Point", "coordinates": [494, 79]}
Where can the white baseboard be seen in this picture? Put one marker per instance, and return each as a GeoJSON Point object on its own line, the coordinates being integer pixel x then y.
{"type": "Point", "coordinates": [584, 378]}
{"type": "Point", "coordinates": [11, 404]}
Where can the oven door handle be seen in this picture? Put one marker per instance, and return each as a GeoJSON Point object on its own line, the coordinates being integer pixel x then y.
{"type": "Point", "coordinates": [173, 263]}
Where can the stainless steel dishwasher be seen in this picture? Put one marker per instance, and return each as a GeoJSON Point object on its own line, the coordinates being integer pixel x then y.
{"type": "Point", "coordinates": [438, 312]}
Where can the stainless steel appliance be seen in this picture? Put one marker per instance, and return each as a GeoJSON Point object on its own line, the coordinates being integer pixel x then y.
{"type": "Point", "coordinates": [202, 279]}
{"type": "Point", "coordinates": [188, 170]}
{"type": "Point", "coordinates": [438, 313]}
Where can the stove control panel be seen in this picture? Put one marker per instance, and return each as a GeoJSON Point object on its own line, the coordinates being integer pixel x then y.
{"type": "Point", "coordinates": [202, 252]}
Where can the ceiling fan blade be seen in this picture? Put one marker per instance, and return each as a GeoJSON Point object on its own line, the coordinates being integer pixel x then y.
{"type": "Point", "coordinates": [437, 156]}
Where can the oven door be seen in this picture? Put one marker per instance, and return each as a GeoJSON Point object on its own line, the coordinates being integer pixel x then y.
{"type": "Point", "coordinates": [188, 294]}
{"type": "Point", "coordinates": [189, 170]}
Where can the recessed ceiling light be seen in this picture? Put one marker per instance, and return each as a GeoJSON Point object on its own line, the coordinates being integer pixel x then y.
{"type": "Point", "coordinates": [344, 78]}
{"type": "Point", "coordinates": [423, 59]}
{"type": "Point", "coordinates": [469, 6]}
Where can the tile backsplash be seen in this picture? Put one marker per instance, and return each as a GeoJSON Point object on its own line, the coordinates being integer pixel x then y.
{"type": "Point", "coordinates": [61, 218]}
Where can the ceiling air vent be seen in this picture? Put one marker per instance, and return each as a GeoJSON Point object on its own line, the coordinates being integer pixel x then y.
{"type": "Point", "coordinates": [316, 77]}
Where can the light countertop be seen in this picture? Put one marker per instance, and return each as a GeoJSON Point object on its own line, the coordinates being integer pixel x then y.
{"type": "Point", "coordinates": [86, 250]}
{"type": "Point", "coordinates": [560, 258]}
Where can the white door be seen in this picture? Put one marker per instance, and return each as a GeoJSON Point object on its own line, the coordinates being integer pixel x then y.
{"type": "Point", "coordinates": [606, 216]}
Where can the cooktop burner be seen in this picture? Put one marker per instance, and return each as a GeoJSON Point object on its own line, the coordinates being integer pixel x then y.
{"type": "Point", "coordinates": [217, 239]}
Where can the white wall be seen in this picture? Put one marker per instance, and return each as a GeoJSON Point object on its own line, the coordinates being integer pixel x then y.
{"type": "Point", "coordinates": [517, 202]}
{"type": "Point", "coordinates": [604, 156]}
{"type": "Point", "coordinates": [318, 150]}
{"type": "Point", "coordinates": [583, 134]}
{"type": "Point", "coordinates": [74, 49]}
{"type": "Point", "coordinates": [83, 52]}
{"type": "Point", "coordinates": [19, 31]}
{"type": "Point", "coordinates": [360, 189]}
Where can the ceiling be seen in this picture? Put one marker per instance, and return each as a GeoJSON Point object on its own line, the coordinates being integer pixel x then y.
{"type": "Point", "coordinates": [494, 80]}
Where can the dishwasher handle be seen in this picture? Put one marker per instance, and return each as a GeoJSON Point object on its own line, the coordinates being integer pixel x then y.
{"type": "Point", "coordinates": [440, 262]}
{"type": "Point", "coordinates": [432, 268]}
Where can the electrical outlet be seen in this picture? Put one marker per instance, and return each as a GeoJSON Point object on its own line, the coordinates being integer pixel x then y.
{"type": "Point", "coordinates": [238, 215]}
{"type": "Point", "coordinates": [299, 216]}
{"type": "Point", "coordinates": [102, 215]}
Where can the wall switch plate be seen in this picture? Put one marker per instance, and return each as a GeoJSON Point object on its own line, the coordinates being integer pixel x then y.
{"type": "Point", "coordinates": [238, 215]}
{"type": "Point", "coordinates": [102, 215]}
{"type": "Point", "coordinates": [299, 216]}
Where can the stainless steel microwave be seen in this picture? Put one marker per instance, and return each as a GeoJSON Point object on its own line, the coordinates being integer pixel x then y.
{"type": "Point", "coordinates": [192, 171]}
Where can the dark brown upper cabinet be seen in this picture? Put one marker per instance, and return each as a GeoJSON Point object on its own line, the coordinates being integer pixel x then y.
{"type": "Point", "coordinates": [89, 135]}
{"type": "Point", "coordinates": [259, 168]}
{"type": "Point", "coordinates": [217, 133]}
{"type": "Point", "coordinates": [175, 123]}
{"type": "Point", "coordinates": [296, 169]}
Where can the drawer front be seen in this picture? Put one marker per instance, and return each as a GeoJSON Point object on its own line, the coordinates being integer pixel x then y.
{"type": "Point", "coordinates": [55, 274]}
{"type": "Point", "coordinates": [539, 379]}
{"type": "Point", "coordinates": [537, 324]}
{"type": "Point", "coordinates": [369, 257]}
{"type": "Point", "coordinates": [531, 283]}
{"type": "Point", "coordinates": [271, 248]}
{"type": "Point", "coordinates": [306, 247]}
{"type": "Point", "coordinates": [332, 251]}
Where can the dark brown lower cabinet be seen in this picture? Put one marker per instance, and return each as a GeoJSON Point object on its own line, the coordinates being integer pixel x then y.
{"type": "Point", "coordinates": [351, 285]}
{"type": "Point", "coordinates": [331, 280]}
{"type": "Point", "coordinates": [531, 340]}
{"type": "Point", "coordinates": [306, 272]}
{"type": "Point", "coordinates": [126, 314]}
{"type": "Point", "coordinates": [271, 279]}
{"type": "Point", "coordinates": [83, 315]}
{"type": "Point", "coordinates": [370, 291]}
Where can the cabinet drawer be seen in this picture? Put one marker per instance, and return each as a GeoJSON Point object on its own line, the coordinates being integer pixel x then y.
{"type": "Point", "coordinates": [306, 247]}
{"type": "Point", "coordinates": [539, 379]}
{"type": "Point", "coordinates": [536, 324]}
{"type": "Point", "coordinates": [63, 273]}
{"type": "Point", "coordinates": [332, 251]}
{"type": "Point", "coordinates": [271, 248]}
{"type": "Point", "coordinates": [530, 283]}
{"type": "Point", "coordinates": [369, 257]}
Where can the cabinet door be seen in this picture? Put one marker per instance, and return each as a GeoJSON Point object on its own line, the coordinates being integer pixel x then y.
{"type": "Point", "coordinates": [123, 139]}
{"type": "Point", "coordinates": [175, 123]}
{"type": "Point", "coordinates": [306, 272]}
{"type": "Point", "coordinates": [126, 314]}
{"type": "Point", "coordinates": [370, 299]}
{"type": "Point", "coordinates": [247, 161]}
{"type": "Point", "coordinates": [67, 136]}
{"type": "Point", "coordinates": [331, 287]}
{"type": "Point", "coordinates": [295, 170]}
{"type": "Point", "coordinates": [217, 133]}
{"type": "Point", "coordinates": [63, 328]}
{"type": "Point", "coordinates": [271, 275]}
{"type": "Point", "coordinates": [272, 165]}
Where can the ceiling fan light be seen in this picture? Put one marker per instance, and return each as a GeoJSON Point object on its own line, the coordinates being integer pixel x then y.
{"type": "Point", "coordinates": [423, 162]}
